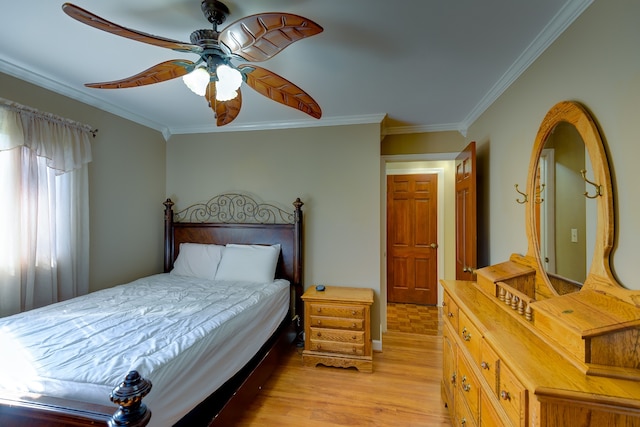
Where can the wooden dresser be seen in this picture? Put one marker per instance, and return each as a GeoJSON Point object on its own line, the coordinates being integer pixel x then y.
{"type": "Point", "coordinates": [500, 370]}
{"type": "Point", "coordinates": [531, 343]}
{"type": "Point", "coordinates": [337, 326]}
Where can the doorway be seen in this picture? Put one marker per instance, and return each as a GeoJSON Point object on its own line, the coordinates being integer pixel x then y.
{"type": "Point", "coordinates": [412, 225]}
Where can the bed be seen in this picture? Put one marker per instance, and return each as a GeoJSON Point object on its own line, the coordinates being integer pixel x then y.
{"type": "Point", "coordinates": [190, 346]}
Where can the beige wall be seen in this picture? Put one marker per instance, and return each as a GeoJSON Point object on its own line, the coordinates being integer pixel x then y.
{"type": "Point", "coordinates": [595, 62]}
{"type": "Point", "coordinates": [334, 170]}
{"type": "Point", "coordinates": [126, 186]}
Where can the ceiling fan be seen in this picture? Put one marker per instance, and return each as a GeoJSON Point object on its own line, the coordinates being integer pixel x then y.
{"type": "Point", "coordinates": [254, 38]}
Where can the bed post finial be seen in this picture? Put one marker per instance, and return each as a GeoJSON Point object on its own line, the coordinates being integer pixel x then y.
{"type": "Point", "coordinates": [168, 235]}
{"type": "Point", "coordinates": [128, 394]}
{"type": "Point", "coordinates": [298, 212]}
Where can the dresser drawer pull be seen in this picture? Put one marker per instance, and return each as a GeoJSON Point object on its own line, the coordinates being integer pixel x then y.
{"type": "Point", "coordinates": [355, 350]}
{"type": "Point", "coordinates": [354, 338]}
{"type": "Point", "coordinates": [463, 422]}
{"type": "Point", "coordinates": [466, 335]}
{"type": "Point", "coordinates": [484, 365]}
{"type": "Point", "coordinates": [319, 322]}
{"type": "Point", "coordinates": [319, 334]}
{"type": "Point", "coordinates": [319, 310]}
{"type": "Point", "coordinates": [504, 395]}
{"type": "Point", "coordinates": [354, 312]}
{"type": "Point", "coordinates": [466, 387]}
{"type": "Point", "coordinates": [353, 325]}
{"type": "Point", "coordinates": [450, 314]}
{"type": "Point", "coordinates": [453, 379]}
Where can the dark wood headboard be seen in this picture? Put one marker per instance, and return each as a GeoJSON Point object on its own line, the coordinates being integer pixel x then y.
{"type": "Point", "coordinates": [239, 218]}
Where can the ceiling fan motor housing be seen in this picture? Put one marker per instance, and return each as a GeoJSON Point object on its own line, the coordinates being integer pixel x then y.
{"type": "Point", "coordinates": [216, 12]}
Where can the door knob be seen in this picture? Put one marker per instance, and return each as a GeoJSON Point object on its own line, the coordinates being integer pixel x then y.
{"type": "Point", "coordinates": [434, 246]}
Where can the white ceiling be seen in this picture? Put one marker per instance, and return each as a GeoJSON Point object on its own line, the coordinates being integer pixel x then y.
{"type": "Point", "coordinates": [427, 65]}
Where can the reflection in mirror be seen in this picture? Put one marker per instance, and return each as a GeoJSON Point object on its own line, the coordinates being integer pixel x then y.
{"type": "Point", "coordinates": [565, 220]}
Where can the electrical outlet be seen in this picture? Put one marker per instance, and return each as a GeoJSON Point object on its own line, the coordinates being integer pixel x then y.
{"type": "Point", "coordinates": [574, 235]}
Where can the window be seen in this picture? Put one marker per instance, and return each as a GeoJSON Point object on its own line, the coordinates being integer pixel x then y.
{"type": "Point", "coordinates": [44, 220]}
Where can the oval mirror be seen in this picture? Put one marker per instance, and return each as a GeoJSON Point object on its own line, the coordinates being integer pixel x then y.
{"type": "Point", "coordinates": [570, 225]}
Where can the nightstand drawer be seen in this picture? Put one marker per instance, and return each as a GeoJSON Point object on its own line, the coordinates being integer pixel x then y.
{"type": "Point", "coordinates": [349, 312]}
{"type": "Point", "coordinates": [321, 334]}
{"type": "Point", "coordinates": [337, 347]}
{"type": "Point", "coordinates": [337, 323]}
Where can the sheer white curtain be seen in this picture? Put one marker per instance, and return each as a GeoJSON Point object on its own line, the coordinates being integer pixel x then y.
{"type": "Point", "coordinates": [44, 208]}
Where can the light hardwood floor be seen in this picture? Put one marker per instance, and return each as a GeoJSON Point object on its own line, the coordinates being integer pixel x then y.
{"type": "Point", "coordinates": [403, 390]}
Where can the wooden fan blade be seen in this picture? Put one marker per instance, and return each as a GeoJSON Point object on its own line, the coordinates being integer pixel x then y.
{"type": "Point", "coordinates": [95, 21]}
{"type": "Point", "coordinates": [225, 111]}
{"type": "Point", "coordinates": [260, 37]}
{"type": "Point", "coordinates": [158, 73]}
{"type": "Point", "coordinates": [280, 90]}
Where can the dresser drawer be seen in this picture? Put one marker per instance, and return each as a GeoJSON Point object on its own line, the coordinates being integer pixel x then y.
{"type": "Point", "coordinates": [450, 311]}
{"type": "Point", "coordinates": [344, 311]}
{"type": "Point", "coordinates": [470, 335]}
{"type": "Point", "coordinates": [337, 347]}
{"type": "Point", "coordinates": [463, 414]}
{"type": "Point", "coordinates": [337, 323]}
{"type": "Point", "coordinates": [468, 386]}
{"type": "Point", "coordinates": [512, 396]}
{"type": "Point", "coordinates": [321, 334]}
{"type": "Point", "coordinates": [489, 366]}
{"type": "Point", "coordinates": [488, 415]}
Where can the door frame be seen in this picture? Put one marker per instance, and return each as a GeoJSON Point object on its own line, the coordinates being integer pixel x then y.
{"type": "Point", "coordinates": [386, 166]}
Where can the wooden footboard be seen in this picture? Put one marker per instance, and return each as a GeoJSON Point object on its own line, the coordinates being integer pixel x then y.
{"type": "Point", "coordinates": [42, 411]}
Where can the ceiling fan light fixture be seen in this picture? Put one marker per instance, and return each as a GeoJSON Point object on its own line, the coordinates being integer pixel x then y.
{"type": "Point", "coordinates": [197, 80]}
{"type": "Point", "coordinates": [228, 83]}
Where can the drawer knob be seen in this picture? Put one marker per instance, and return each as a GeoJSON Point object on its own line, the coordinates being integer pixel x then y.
{"type": "Point", "coordinates": [354, 337]}
{"type": "Point", "coordinates": [354, 312]}
{"type": "Point", "coordinates": [453, 379]}
{"type": "Point", "coordinates": [450, 314]}
{"type": "Point", "coordinates": [484, 365]}
{"type": "Point", "coordinates": [354, 325]}
{"type": "Point", "coordinates": [319, 310]}
{"type": "Point", "coordinates": [466, 387]}
{"type": "Point", "coordinates": [319, 334]}
{"type": "Point", "coordinates": [466, 334]}
{"type": "Point", "coordinates": [355, 350]}
{"type": "Point", "coordinates": [463, 421]}
{"type": "Point", "coordinates": [504, 395]}
{"type": "Point", "coordinates": [319, 322]}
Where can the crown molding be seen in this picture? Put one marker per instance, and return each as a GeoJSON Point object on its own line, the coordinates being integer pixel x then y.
{"type": "Point", "coordinates": [556, 26]}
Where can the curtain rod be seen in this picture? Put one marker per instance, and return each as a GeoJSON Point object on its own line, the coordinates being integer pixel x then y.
{"type": "Point", "coordinates": [14, 106]}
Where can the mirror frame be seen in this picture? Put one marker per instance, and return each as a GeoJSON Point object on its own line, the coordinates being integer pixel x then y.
{"type": "Point", "coordinates": [600, 275]}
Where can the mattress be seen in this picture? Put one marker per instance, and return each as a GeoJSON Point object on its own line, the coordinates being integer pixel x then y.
{"type": "Point", "coordinates": [186, 335]}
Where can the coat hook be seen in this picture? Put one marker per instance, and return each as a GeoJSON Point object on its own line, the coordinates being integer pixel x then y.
{"type": "Point", "coordinates": [583, 172]}
{"type": "Point", "coordinates": [539, 191]}
{"type": "Point", "coordinates": [526, 198]}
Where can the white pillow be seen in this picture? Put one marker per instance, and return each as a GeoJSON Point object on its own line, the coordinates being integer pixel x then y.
{"type": "Point", "coordinates": [249, 263]}
{"type": "Point", "coordinates": [198, 260]}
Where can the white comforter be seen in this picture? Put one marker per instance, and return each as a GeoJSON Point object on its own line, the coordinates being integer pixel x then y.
{"type": "Point", "coordinates": [186, 335]}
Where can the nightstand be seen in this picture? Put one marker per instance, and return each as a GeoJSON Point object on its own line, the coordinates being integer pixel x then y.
{"type": "Point", "coordinates": [337, 327]}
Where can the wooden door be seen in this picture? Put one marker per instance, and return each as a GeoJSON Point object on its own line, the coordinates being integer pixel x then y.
{"type": "Point", "coordinates": [466, 220]}
{"type": "Point", "coordinates": [412, 206]}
